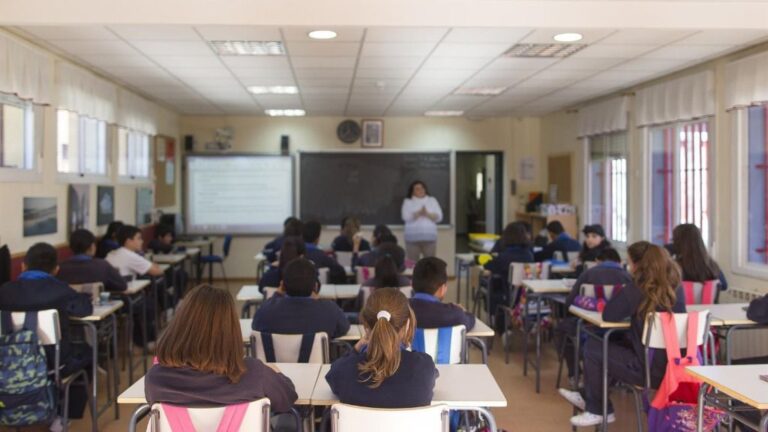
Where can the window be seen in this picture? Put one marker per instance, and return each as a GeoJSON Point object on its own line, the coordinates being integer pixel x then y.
{"type": "Point", "coordinates": [82, 144]}
{"type": "Point", "coordinates": [757, 185]}
{"type": "Point", "coordinates": [607, 191]}
{"type": "Point", "coordinates": [17, 130]}
{"type": "Point", "coordinates": [679, 179]}
{"type": "Point", "coordinates": [133, 148]}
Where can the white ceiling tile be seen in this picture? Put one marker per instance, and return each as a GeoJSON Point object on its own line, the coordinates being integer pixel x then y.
{"type": "Point", "coordinates": [505, 76]}
{"type": "Point", "coordinates": [405, 34]}
{"type": "Point", "coordinates": [508, 36]}
{"type": "Point", "coordinates": [725, 37]}
{"type": "Point", "coordinates": [444, 74]}
{"type": "Point", "coordinates": [323, 62]}
{"type": "Point", "coordinates": [586, 64]}
{"type": "Point", "coordinates": [397, 49]}
{"type": "Point", "coordinates": [324, 92]}
{"type": "Point", "coordinates": [156, 32]}
{"type": "Point", "coordinates": [73, 32]}
{"type": "Point", "coordinates": [615, 76]}
{"type": "Point", "coordinates": [413, 92]}
{"type": "Point", "coordinates": [221, 81]}
{"type": "Point", "coordinates": [455, 62]}
{"type": "Point", "coordinates": [645, 36]}
{"type": "Point", "coordinates": [336, 49]}
{"type": "Point", "coordinates": [325, 82]}
{"type": "Point", "coordinates": [259, 62]}
{"type": "Point", "coordinates": [173, 48]}
{"type": "Point", "coordinates": [91, 47]}
{"type": "Point", "coordinates": [279, 101]}
{"type": "Point", "coordinates": [389, 62]}
{"type": "Point", "coordinates": [136, 60]}
{"type": "Point", "coordinates": [687, 52]}
{"type": "Point", "coordinates": [487, 51]}
{"type": "Point", "coordinates": [312, 73]}
{"type": "Point", "coordinates": [343, 34]}
{"type": "Point", "coordinates": [601, 50]}
{"type": "Point", "coordinates": [174, 63]}
{"type": "Point", "coordinates": [480, 81]}
{"type": "Point", "coordinates": [568, 75]}
{"type": "Point", "coordinates": [384, 73]}
{"type": "Point", "coordinates": [510, 63]}
{"type": "Point", "coordinates": [543, 84]}
{"type": "Point", "coordinates": [650, 65]}
{"type": "Point", "coordinates": [455, 102]}
{"type": "Point", "coordinates": [431, 82]}
{"type": "Point", "coordinates": [186, 73]}
{"type": "Point", "coordinates": [370, 82]}
{"type": "Point", "coordinates": [547, 35]}
{"type": "Point", "coordinates": [142, 80]}
{"type": "Point", "coordinates": [259, 73]}
{"type": "Point", "coordinates": [238, 33]}
{"type": "Point", "coordinates": [373, 90]}
{"type": "Point", "coordinates": [597, 84]}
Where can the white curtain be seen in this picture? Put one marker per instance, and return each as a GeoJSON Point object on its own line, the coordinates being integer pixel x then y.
{"type": "Point", "coordinates": [137, 113]}
{"type": "Point", "coordinates": [84, 93]}
{"type": "Point", "coordinates": [682, 98]}
{"type": "Point", "coordinates": [24, 70]}
{"type": "Point", "coordinates": [603, 117]}
{"type": "Point", "coordinates": [746, 81]}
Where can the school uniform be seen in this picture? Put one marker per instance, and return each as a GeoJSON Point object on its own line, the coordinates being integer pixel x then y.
{"type": "Point", "coordinates": [402, 281]}
{"type": "Point", "coordinates": [193, 388]}
{"type": "Point", "coordinates": [411, 386]}
{"type": "Point", "coordinates": [83, 269]}
{"type": "Point", "coordinates": [128, 262]}
{"type": "Point", "coordinates": [270, 249]}
{"type": "Point", "coordinates": [758, 310]}
{"type": "Point", "coordinates": [271, 278]}
{"type": "Point", "coordinates": [432, 313]}
{"type": "Point", "coordinates": [343, 243]}
{"type": "Point", "coordinates": [336, 273]}
{"type": "Point", "coordinates": [105, 246]}
{"type": "Point", "coordinates": [283, 314]}
{"type": "Point", "coordinates": [588, 254]}
{"type": "Point", "coordinates": [563, 243]}
{"type": "Point", "coordinates": [626, 360]}
{"type": "Point", "coordinates": [499, 268]}
{"type": "Point", "coordinates": [369, 259]}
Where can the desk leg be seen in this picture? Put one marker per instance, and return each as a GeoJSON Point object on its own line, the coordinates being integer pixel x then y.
{"type": "Point", "coordinates": [539, 299]}
{"type": "Point", "coordinates": [115, 372]}
{"type": "Point", "coordinates": [90, 327]}
{"type": "Point", "coordinates": [525, 333]}
{"type": "Point", "coordinates": [144, 333]}
{"type": "Point", "coordinates": [606, 342]}
{"type": "Point", "coordinates": [577, 347]}
{"type": "Point", "coordinates": [467, 278]}
{"type": "Point", "coordinates": [129, 336]}
{"type": "Point", "coordinates": [700, 407]}
{"type": "Point", "coordinates": [457, 266]}
{"type": "Point", "coordinates": [137, 415]}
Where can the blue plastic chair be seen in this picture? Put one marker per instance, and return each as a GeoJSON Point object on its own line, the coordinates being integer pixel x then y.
{"type": "Point", "coordinates": [210, 260]}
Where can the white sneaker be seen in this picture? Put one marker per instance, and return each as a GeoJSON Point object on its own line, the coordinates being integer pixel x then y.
{"type": "Point", "coordinates": [573, 397]}
{"type": "Point", "coordinates": [57, 425]}
{"type": "Point", "coordinates": [587, 419]}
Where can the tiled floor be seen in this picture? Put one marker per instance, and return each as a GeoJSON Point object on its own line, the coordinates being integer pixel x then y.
{"type": "Point", "coordinates": [526, 410]}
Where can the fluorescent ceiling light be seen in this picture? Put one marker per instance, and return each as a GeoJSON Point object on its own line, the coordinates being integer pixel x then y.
{"type": "Point", "coordinates": [258, 90]}
{"type": "Point", "coordinates": [544, 50]}
{"type": "Point", "coordinates": [480, 91]}
{"type": "Point", "coordinates": [248, 48]}
{"type": "Point", "coordinates": [285, 112]}
{"type": "Point", "coordinates": [568, 37]}
{"type": "Point", "coordinates": [444, 113]}
{"type": "Point", "coordinates": [322, 34]}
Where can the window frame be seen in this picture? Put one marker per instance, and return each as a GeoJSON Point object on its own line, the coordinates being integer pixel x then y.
{"type": "Point", "coordinates": [81, 176]}
{"type": "Point", "coordinates": [133, 178]}
{"type": "Point", "coordinates": [587, 148]}
{"type": "Point", "coordinates": [33, 135]}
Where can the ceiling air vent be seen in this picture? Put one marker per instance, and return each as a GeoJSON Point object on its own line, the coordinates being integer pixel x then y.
{"type": "Point", "coordinates": [544, 50]}
{"type": "Point", "coordinates": [248, 48]}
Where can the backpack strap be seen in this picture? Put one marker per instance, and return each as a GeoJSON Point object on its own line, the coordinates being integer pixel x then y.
{"type": "Point", "coordinates": [599, 292]}
{"type": "Point", "coordinates": [268, 346]}
{"type": "Point", "coordinates": [305, 350]}
{"type": "Point", "coordinates": [30, 321]}
{"type": "Point", "coordinates": [690, 298]}
{"type": "Point", "coordinates": [444, 345]}
{"type": "Point", "coordinates": [669, 329]}
{"type": "Point", "coordinates": [6, 322]}
{"type": "Point", "coordinates": [232, 418]}
{"type": "Point", "coordinates": [178, 418]}
{"type": "Point", "coordinates": [708, 292]}
{"type": "Point", "coordinates": [692, 347]}
{"type": "Point", "coordinates": [418, 344]}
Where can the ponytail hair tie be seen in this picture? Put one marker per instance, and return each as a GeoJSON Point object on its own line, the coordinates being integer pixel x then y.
{"type": "Point", "coordinates": [384, 314]}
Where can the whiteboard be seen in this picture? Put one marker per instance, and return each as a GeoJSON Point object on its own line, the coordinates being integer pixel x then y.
{"type": "Point", "coordinates": [238, 194]}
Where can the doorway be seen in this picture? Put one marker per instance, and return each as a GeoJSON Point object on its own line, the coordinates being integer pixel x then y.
{"type": "Point", "coordinates": [479, 195]}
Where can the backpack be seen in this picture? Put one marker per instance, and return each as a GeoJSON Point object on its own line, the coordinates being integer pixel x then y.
{"type": "Point", "coordinates": [179, 420]}
{"type": "Point", "coordinates": [26, 393]}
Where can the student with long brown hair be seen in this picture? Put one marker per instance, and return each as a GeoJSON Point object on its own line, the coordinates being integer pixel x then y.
{"type": "Point", "coordinates": [655, 287]}
{"type": "Point", "coordinates": [201, 360]}
{"type": "Point", "coordinates": [691, 254]}
{"type": "Point", "coordinates": [382, 373]}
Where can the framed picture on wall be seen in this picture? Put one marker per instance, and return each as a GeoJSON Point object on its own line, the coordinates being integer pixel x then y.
{"type": "Point", "coordinates": [79, 207]}
{"type": "Point", "coordinates": [40, 216]}
{"type": "Point", "coordinates": [144, 204]}
{"type": "Point", "coordinates": [105, 205]}
{"type": "Point", "coordinates": [373, 133]}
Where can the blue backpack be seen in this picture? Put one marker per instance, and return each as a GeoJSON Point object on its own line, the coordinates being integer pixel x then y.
{"type": "Point", "coordinates": [26, 393]}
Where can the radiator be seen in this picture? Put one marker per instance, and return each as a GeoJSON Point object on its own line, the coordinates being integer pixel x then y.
{"type": "Point", "coordinates": [746, 343]}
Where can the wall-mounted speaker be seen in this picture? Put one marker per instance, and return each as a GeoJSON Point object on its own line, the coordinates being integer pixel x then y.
{"type": "Point", "coordinates": [189, 143]}
{"type": "Point", "coordinates": [285, 143]}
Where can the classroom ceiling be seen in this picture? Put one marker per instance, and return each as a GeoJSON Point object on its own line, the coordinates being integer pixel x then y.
{"type": "Point", "coordinates": [380, 71]}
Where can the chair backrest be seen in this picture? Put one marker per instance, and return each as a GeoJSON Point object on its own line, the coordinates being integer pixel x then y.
{"type": "Point", "coordinates": [653, 336]}
{"type": "Point", "coordinates": [322, 275]}
{"type": "Point", "coordinates": [589, 264]}
{"type": "Point", "coordinates": [287, 348]}
{"type": "Point", "coordinates": [227, 244]}
{"type": "Point", "coordinates": [572, 256]}
{"type": "Point", "coordinates": [520, 271]}
{"type": "Point", "coordinates": [269, 292]}
{"type": "Point", "coordinates": [255, 418]}
{"type": "Point", "coordinates": [445, 345]}
{"type": "Point", "coordinates": [366, 292]}
{"type": "Point", "coordinates": [48, 330]}
{"type": "Point", "coordinates": [94, 289]}
{"type": "Point", "coordinates": [707, 292]}
{"type": "Point", "coordinates": [350, 418]}
{"type": "Point", "coordinates": [344, 258]}
{"type": "Point", "coordinates": [604, 292]}
{"type": "Point", "coordinates": [362, 274]}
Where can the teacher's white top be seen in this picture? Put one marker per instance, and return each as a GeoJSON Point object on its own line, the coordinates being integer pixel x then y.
{"type": "Point", "coordinates": [420, 228]}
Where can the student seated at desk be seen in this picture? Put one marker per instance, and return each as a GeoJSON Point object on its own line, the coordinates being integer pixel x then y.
{"type": "Point", "coordinates": [295, 308]}
{"type": "Point", "coordinates": [430, 283]}
{"type": "Point", "coordinates": [608, 271]}
{"type": "Point", "coordinates": [758, 310]}
{"type": "Point", "coordinates": [36, 289]}
{"type": "Point", "coordinates": [336, 273]}
{"type": "Point", "coordinates": [381, 372]}
{"type": "Point", "coordinates": [201, 360]}
{"type": "Point", "coordinates": [692, 256]}
{"type": "Point", "coordinates": [594, 243]}
{"type": "Point", "coordinates": [559, 240]}
{"type": "Point", "coordinates": [350, 239]}
{"type": "Point", "coordinates": [127, 260]}
{"type": "Point", "coordinates": [383, 243]}
{"type": "Point", "coordinates": [84, 268]}
{"type": "Point", "coordinates": [293, 247]}
{"type": "Point", "coordinates": [109, 242]}
{"type": "Point", "coordinates": [292, 227]}
{"type": "Point", "coordinates": [163, 241]}
{"type": "Point", "coordinates": [388, 268]}
{"type": "Point", "coordinates": [655, 288]}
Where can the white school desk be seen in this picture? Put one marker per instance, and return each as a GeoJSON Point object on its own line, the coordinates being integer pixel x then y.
{"type": "Point", "coordinates": [739, 382]}
{"type": "Point", "coordinates": [537, 290]}
{"type": "Point", "coordinates": [132, 296]}
{"type": "Point", "coordinates": [354, 333]}
{"type": "Point", "coordinates": [731, 317]}
{"type": "Point", "coordinates": [346, 291]}
{"type": "Point", "coordinates": [171, 259]}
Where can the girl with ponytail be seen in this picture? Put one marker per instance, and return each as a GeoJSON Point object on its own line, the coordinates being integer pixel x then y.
{"type": "Point", "coordinates": [655, 287]}
{"type": "Point", "coordinates": [381, 372]}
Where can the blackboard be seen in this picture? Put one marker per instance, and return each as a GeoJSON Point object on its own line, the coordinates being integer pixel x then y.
{"type": "Point", "coordinates": [369, 185]}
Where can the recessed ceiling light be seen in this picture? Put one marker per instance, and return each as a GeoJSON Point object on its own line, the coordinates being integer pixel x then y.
{"type": "Point", "coordinates": [322, 34]}
{"type": "Point", "coordinates": [285, 112]}
{"type": "Point", "coordinates": [273, 89]}
{"type": "Point", "coordinates": [568, 37]}
{"type": "Point", "coordinates": [248, 48]}
{"type": "Point", "coordinates": [479, 91]}
{"type": "Point", "coordinates": [544, 50]}
{"type": "Point", "coordinates": [444, 113]}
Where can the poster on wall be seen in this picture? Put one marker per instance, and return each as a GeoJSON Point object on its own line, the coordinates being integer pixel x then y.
{"type": "Point", "coordinates": [144, 203]}
{"type": "Point", "coordinates": [527, 169]}
{"type": "Point", "coordinates": [79, 208]}
{"type": "Point", "coordinates": [40, 216]}
{"type": "Point", "coordinates": [105, 205]}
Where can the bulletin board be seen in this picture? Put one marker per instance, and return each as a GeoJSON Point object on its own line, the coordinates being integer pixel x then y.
{"type": "Point", "coordinates": [165, 171]}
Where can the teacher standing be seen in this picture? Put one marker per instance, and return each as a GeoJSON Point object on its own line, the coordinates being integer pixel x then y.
{"type": "Point", "coordinates": [421, 214]}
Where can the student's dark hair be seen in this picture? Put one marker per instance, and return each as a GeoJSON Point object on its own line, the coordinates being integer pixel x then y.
{"type": "Point", "coordinates": [312, 230]}
{"type": "Point", "coordinates": [350, 226]}
{"type": "Point", "coordinates": [413, 185]}
{"type": "Point", "coordinates": [609, 254]}
{"type": "Point", "coordinates": [81, 240]}
{"type": "Point", "coordinates": [379, 231]}
{"type": "Point", "coordinates": [163, 230]}
{"type": "Point", "coordinates": [429, 275]}
{"type": "Point", "coordinates": [112, 230]}
{"type": "Point", "coordinates": [396, 252]}
{"type": "Point", "coordinates": [656, 275]}
{"type": "Point", "coordinates": [125, 233]}
{"type": "Point", "coordinates": [290, 219]}
{"type": "Point", "coordinates": [515, 234]}
{"type": "Point", "coordinates": [387, 238]}
{"type": "Point", "coordinates": [204, 335]}
{"type": "Point", "coordinates": [386, 271]}
{"type": "Point", "coordinates": [292, 248]}
{"type": "Point", "coordinates": [300, 278]}
{"type": "Point", "coordinates": [293, 227]}
{"type": "Point", "coordinates": [691, 254]}
{"type": "Point", "coordinates": [555, 227]}
{"type": "Point", "coordinates": [382, 357]}
{"type": "Point", "coordinates": [41, 257]}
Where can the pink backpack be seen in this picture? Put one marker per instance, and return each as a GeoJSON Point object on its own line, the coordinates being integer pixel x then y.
{"type": "Point", "coordinates": [179, 420]}
{"type": "Point", "coordinates": [707, 292]}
